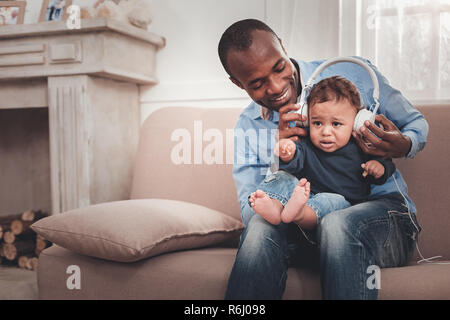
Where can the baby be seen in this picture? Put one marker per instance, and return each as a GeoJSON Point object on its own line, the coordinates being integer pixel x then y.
{"type": "Point", "coordinates": [334, 173]}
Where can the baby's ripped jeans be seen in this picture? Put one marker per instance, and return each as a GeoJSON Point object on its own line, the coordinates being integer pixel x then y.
{"type": "Point", "coordinates": [280, 186]}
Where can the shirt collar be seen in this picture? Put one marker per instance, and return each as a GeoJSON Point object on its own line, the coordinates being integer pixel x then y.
{"type": "Point", "coordinates": [256, 112]}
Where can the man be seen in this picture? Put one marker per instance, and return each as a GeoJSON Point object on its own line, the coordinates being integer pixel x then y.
{"type": "Point", "coordinates": [347, 242]}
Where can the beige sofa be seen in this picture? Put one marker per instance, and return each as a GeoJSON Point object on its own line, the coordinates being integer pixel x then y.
{"type": "Point", "coordinates": [202, 273]}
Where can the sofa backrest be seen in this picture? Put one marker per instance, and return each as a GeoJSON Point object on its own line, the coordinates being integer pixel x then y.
{"type": "Point", "coordinates": [157, 175]}
{"type": "Point", "coordinates": [428, 177]}
{"type": "Point", "coordinates": [200, 136]}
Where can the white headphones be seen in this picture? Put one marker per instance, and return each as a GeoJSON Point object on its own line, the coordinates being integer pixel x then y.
{"type": "Point", "coordinates": [363, 114]}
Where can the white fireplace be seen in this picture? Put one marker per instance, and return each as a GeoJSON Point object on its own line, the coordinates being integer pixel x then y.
{"type": "Point", "coordinates": [70, 112]}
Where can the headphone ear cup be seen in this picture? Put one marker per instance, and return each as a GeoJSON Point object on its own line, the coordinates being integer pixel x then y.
{"type": "Point", "coordinates": [362, 116]}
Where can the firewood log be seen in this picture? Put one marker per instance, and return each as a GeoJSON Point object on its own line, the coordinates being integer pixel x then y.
{"type": "Point", "coordinates": [9, 237]}
{"type": "Point", "coordinates": [28, 261]}
{"type": "Point", "coordinates": [4, 227]}
{"type": "Point", "coordinates": [28, 215]}
{"type": "Point", "coordinates": [32, 263]}
{"type": "Point", "coordinates": [21, 227]}
{"type": "Point", "coordinates": [31, 215]}
{"type": "Point", "coordinates": [41, 244]}
{"type": "Point", "coordinates": [20, 223]}
{"type": "Point", "coordinates": [22, 261]}
{"type": "Point", "coordinates": [12, 251]}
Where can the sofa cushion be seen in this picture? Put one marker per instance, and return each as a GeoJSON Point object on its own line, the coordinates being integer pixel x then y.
{"type": "Point", "coordinates": [426, 281]}
{"type": "Point", "coordinates": [189, 274]}
{"type": "Point", "coordinates": [198, 274]}
{"type": "Point", "coordinates": [203, 274]}
{"type": "Point", "coordinates": [131, 230]}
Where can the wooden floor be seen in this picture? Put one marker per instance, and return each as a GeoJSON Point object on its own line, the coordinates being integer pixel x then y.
{"type": "Point", "coordinates": [17, 284]}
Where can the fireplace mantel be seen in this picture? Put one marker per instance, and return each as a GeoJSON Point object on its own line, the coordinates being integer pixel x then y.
{"type": "Point", "coordinates": [89, 80]}
{"type": "Point", "coordinates": [102, 47]}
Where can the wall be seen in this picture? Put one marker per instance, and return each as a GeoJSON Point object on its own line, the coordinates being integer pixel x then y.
{"type": "Point", "coordinates": [189, 69]}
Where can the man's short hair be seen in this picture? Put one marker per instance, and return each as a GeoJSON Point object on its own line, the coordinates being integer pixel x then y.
{"type": "Point", "coordinates": [238, 36]}
{"type": "Point", "coordinates": [334, 88]}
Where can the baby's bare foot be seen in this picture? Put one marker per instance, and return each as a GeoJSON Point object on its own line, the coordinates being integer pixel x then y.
{"type": "Point", "coordinates": [294, 209]}
{"type": "Point", "coordinates": [266, 207]}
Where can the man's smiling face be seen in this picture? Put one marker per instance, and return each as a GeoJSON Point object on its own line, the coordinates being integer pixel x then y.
{"type": "Point", "coordinates": [265, 71]}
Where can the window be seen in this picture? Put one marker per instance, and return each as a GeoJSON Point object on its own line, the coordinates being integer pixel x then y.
{"type": "Point", "coordinates": [409, 41]}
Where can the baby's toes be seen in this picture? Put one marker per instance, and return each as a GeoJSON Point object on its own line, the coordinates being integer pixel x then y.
{"type": "Point", "coordinates": [260, 194]}
{"type": "Point", "coordinates": [307, 188]}
{"type": "Point", "coordinates": [302, 182]}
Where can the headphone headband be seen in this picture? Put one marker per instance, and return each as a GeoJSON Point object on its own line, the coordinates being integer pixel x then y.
{"type": "Point", "coordinates": [308, 86]}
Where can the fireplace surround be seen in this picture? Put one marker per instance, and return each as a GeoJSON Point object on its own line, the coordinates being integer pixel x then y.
{"type": "Point", "coordinates": [70, 112]}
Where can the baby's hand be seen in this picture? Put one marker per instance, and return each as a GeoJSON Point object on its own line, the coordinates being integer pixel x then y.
{"type": "Point", "coordinates": [374, 168]}
{"type": "Point", "coordinates": [285, 149]}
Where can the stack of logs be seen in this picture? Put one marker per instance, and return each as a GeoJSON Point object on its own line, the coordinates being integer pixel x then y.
{"type": "Point", "coordinates": [20, 245]}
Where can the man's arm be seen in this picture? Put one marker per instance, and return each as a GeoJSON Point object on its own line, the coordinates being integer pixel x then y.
{"type": "Point", "coordinates": [406, 131]}
{"type": "Point", "coordinates": [248, 170]}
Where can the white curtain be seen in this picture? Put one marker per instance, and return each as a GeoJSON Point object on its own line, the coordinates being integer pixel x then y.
{"type": "Point", "coordinates": [408, 40]}
{"type": "Point", "coordinates": [308, 29]}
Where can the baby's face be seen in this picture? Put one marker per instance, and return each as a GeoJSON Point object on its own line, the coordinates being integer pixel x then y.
{"type": "Point", "coordinates": [331, 124]}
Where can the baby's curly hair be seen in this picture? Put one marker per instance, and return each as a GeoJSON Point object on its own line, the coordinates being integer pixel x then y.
{"type": "Point", "coordinates": [334, 88]}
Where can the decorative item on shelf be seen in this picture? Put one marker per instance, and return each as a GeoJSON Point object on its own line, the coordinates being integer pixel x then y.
{"type": "Point", "coordinates": [54, 10]}
{"type": "Point", "coordinates": [12, 12]}
{"type": "Point", "coordinates": [135, 12]}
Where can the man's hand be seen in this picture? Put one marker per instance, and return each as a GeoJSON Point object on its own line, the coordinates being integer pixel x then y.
{"type": "Point", "coordinates": [285, 150]}
{"type": "Point", "coordinates": [373, 168]}
{"type": "Point", "coordinates": [284, 131]}
{"type": "Point", "coordinates": [389, 142]}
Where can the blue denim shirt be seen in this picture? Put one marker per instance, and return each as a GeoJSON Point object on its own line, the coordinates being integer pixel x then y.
{"type": "Point", "coordinates": [255, 137]}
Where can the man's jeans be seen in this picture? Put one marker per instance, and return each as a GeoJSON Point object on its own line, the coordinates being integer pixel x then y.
{"type": "Point", "coordinates": [377, 233]}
